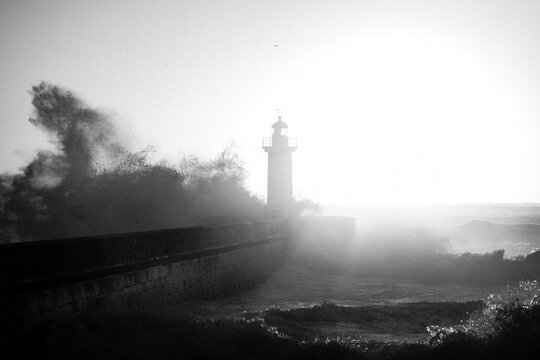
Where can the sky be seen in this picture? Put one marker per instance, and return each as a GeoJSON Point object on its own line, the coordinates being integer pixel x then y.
{"type": "Point", "coordinates": [392, 102]}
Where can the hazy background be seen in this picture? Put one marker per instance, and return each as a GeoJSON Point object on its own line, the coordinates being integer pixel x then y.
{"type": "Point", "coordinates": [397, 105]}
{"type": "Point", "coordinates": [392, 101]}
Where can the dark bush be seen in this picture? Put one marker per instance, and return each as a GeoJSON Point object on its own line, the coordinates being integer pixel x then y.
{"type": "Point", "coordinates": [533, 257]}
{"type": "Point", "coordinates": [509, 328]}
{"type": "Point", "coordinates": [93, 185]}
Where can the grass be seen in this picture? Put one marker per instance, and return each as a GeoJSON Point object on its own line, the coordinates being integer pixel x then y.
{"type": "Point", "coordinates": [509, 327]}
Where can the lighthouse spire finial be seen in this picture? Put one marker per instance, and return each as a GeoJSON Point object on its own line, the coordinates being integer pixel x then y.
{"type": "Point", "coordinates": [279, 113]}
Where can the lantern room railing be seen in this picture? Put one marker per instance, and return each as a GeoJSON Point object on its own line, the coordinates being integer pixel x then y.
{"type": "Point", "coordinates": [291, 142]}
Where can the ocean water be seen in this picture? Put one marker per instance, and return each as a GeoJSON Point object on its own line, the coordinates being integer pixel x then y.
{"type": "Point", "coordinates": [342, 305]}
{"type": "Point", "coordinates": [303, 302]}
{"type": "Point", "coordinates": [438, 216]}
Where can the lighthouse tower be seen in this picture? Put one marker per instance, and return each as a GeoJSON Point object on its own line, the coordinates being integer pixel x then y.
{"type": "Point", "coordinates": [279, 148]}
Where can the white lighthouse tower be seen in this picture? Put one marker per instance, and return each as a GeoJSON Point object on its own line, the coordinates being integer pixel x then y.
{"type": "Point", "coordinates": [279, 148]}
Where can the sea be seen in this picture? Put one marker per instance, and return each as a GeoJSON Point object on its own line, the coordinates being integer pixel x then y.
{"type": "Point", "coordinates": [305, 302]}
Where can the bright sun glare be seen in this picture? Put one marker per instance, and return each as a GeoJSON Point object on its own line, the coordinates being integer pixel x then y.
{"type": "Point", "coordinates": [402, 119]}
{"type": "Point", "coordinates": [392, 102]}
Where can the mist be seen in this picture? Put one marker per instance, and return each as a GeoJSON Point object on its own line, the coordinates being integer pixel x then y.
{"type": "Point", "coordinates": [472, 245]}
{"type": "Point", "coordinates": [92, 184]}
{"type": "Point", "coordinates": [391, 210]}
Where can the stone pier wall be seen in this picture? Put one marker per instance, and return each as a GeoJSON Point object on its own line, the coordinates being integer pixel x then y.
{"type": "Point", "coordinates": [48, 279]}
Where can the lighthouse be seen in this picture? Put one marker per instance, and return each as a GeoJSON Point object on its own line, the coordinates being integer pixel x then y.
{"type": "Point", "coordinates": [279, 148]}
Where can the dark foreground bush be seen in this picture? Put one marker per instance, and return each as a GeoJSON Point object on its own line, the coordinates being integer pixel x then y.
{"type": "Point", "coordinates": [509, 328]}
{"type": "Point", "coordinates": [145, 336]}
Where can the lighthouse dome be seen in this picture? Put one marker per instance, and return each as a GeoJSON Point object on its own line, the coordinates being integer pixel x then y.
{"type": "Point", "coordinates": [279, 124]}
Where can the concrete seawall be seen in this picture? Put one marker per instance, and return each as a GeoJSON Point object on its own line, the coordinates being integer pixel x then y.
{"type": "Point", "coordinates": [48, 279]}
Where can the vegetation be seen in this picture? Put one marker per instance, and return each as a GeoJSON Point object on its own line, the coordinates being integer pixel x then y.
{"type": "Point", "coordinates": [472, 269]}
{"type": "Point", "coordinates": [415, 254]}
{"type": "Point", "coordinates": [92, 184]}
{"type": "Point", "coordinates": [508, 327]}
